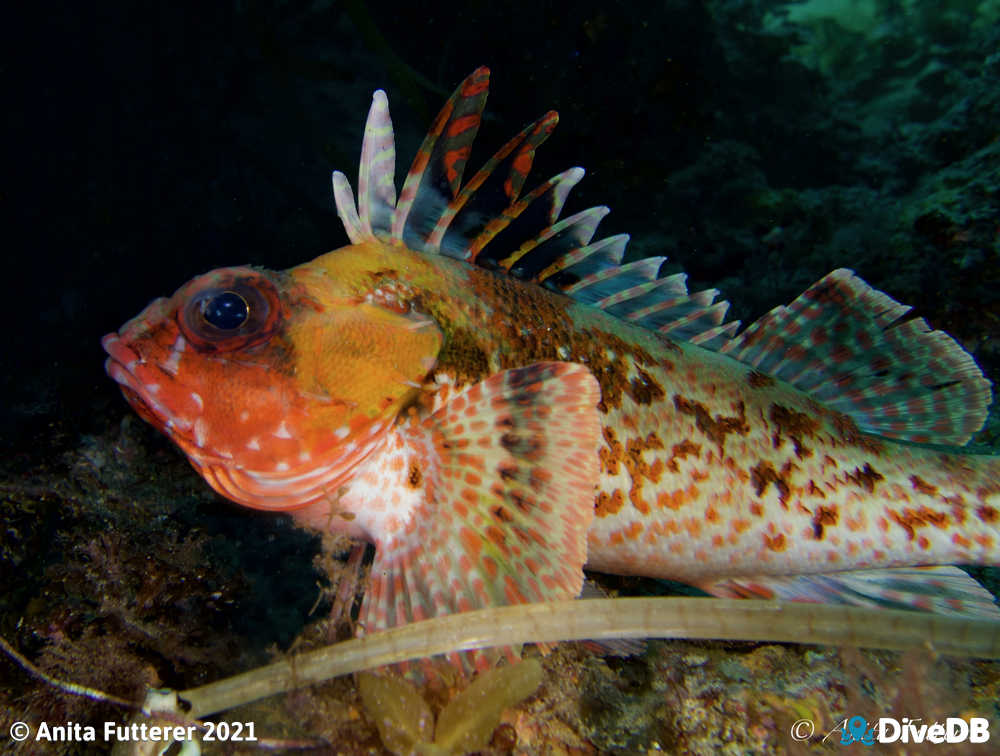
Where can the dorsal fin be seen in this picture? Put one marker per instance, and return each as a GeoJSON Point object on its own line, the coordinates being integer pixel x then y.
{"type": "Point", "coordinates": [842, 341]}
{"type": "Point", "coordinates": [487, 220]}
{"type": "Point", "coordinates": [851, 347]}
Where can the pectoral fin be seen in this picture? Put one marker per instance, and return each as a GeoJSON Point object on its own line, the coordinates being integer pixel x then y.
{"type": "Point", "coordinates": [507, 468]}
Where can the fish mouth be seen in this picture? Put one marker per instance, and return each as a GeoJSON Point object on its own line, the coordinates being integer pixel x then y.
{"type": "Point", "coordinates": [128, 369]}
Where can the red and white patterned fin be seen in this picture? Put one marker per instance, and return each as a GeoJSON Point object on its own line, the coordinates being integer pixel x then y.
{"type": "Point", "coordinates": [496, 185]}
{"type": "Point", "coordinates": [493, 461]}
{"type": "Point", "coordinates": [718, 337]}
{"type": "Point", "coordinates": [607, 283]}
{"type": "Point", "coordinates": [699, 320]}
{"type": "Point", "coordinates": [940, 590]}
{"type": "Point", "coordinates": [645, 298]}
{"type": "Point", "coordinates": [600, 255]}
{"type": "Point", "coordinates": [564, 236]}
{"type": "Point", "coordinates": [848, 346]}
{"type": "Point", "coordinates": [508, 228]}
{"type": "Point", "coordinates": [435, 176]}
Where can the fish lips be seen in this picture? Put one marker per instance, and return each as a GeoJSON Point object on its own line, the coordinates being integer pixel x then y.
{"type": "Point", "coordinates": [137, 380]}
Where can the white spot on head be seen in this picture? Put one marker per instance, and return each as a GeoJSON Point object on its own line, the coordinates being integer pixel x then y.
{"type": "Point", "coordinates": [254, 444]}
{"type": "Point", "coordinates": [304, 456]}
{"type": "Point", "coordinates": [244, 416]}
{"type": "Point", "coordinates": [282, 431]}
{"type": "Point", "coordinates": [180, 423]}
{"type": "Point", "coordinates": [196, 398]}
{"type": "Point", "coordinates": [172, 363]}
{"type": "Point", "coordinates": [281, 467]}
{"type": "Point", "coordinates": [342, 432]}
{"type": "Point", "coordinates": [200, 432]}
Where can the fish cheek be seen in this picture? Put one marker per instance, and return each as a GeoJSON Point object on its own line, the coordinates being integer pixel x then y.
{"type": "Point", "coordinates": [364, 356]}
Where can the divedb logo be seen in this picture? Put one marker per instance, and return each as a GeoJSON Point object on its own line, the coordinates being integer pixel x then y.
{"type": "Point", "coordinates": [889, 730]}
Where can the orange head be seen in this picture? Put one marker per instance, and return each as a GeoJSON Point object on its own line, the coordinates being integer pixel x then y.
{"type": "Point", "coordinates": [276, 385]}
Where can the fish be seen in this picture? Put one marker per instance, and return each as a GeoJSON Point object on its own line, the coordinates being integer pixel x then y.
{"type": "Point", "coordinates": [494, 399]}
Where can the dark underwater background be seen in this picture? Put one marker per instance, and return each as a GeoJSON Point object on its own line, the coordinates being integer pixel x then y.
{"type": "Point", "coordinates": [758, 145]}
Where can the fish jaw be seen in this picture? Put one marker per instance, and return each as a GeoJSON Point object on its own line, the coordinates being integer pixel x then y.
{"type": "Point", "coordinates": [275, 413]}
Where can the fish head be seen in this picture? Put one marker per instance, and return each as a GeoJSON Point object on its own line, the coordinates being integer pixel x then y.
{"type": "Point", "coordinates": [275, 384]}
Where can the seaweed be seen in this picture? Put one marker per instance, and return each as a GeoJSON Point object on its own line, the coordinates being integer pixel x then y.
{"type": "Point", "coordinates": [465, 724]}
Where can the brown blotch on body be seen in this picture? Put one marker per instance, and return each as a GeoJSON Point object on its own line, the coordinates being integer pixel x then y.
{"type": "Point", "coordinates": [775, 543]}
{"type": "Point", "coordinates": [823, 516]}
{"type": "Point", "coordinates": [605, 504]}
{"type": "Point", "coordinates": [613, 454]}
{"type": "Point", "coordinates": [463, 357]}
{"type": "Point", "coordinates": [643, 389]}
{"type": "Point", "coordinates": [922, 486]}
{"type": "Point", "coordinates": [612, 372]}
{"type": "Point", "coordinates": [866, 477]}
{"type": "Point", "coordinates": [987, 514]}
{"type": "Point", "coordinates": [759, 380]}
{"type": "Point", "coordinates": [796, 425]}
{"type": "Point", "coordinates": [850, 434]}
{"type": "Point", "coordinates": [638, 469]}
{"type": "Point", "coordinates": [763, 474]}
{"type": "Point", "coordinates": [715, 428]}
{"type": "Point", "coordinates": [912, 519]}
{"type": "Point", "coordinates": [814, 490]}
{"type": "Point", "coordinates": [679, 451]}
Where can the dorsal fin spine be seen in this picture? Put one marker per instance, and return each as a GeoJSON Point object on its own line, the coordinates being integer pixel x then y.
{"type": "Point", "coordinates": [604, 253]}
{"type": "Point", "coordinates": [525, 142]}
{"type": "Point", "coordinates": [343, 198]}
{"type": "Point", "coordinates": [558, 185]}
{"type": "Point", "coordinates": [376, 190]}
{"type": "Point", "coordinates": [583, 224]}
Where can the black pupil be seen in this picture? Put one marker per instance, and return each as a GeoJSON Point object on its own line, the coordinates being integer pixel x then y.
{"type": "Point", "coordinates": [227, 310]}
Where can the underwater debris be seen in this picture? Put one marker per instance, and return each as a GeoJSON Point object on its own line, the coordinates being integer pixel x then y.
{"type": "Point", "coordinates": [730, 619]}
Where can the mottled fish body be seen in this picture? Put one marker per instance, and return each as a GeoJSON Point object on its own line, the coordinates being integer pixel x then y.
{"type": "Point", "coordinates": [494, 400]}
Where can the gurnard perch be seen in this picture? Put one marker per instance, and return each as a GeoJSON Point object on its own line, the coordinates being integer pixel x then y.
{"type": "Point", "coordinates": [496, 401]}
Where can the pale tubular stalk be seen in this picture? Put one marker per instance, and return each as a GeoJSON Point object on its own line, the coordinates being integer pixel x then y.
{"type": "Point", "coordinates": [597, 619]}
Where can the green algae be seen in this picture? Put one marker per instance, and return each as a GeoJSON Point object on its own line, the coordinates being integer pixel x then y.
{"type": "Point", "coordinates": [466, 723]}
{"type": "Point", "coordinates": [402, 716]}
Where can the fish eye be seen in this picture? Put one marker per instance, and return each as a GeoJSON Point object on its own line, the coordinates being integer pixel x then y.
{"type": "Point", "coordinates": [226, 311]}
